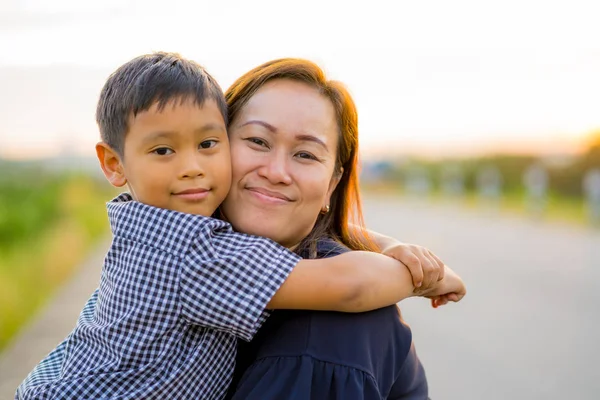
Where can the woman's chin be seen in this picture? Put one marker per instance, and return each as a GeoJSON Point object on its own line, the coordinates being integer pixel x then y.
{"type": "Point", "coordinates": [272, 234]}
{"type": "Point", "coordinates": [259, 227]}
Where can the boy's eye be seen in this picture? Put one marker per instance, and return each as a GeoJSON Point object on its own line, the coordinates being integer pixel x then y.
{"type": "Point", "coordinates": [162, 151]}
{"type": "Point", "coordinates": [207, 144]}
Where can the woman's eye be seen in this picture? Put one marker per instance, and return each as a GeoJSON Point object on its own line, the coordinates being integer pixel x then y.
{"type": "Point", "coordinates": [162, 151]}
{"type": "Point", "coordinates": [258, 141]}
{"type": "Point", "coordinates": [305, 155]}
{"type": "Point", "coordinates": [207, 144]}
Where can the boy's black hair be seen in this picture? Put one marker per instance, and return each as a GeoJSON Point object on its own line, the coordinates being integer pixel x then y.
{"type": "Point", "coordinates": [148, 79]}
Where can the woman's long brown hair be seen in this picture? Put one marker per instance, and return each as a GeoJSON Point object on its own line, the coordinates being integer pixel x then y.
{"type": "Point", "coordinates": [345, 206]}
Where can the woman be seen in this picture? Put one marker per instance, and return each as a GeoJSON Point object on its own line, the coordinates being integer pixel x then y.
{"type": "Point", "coordinates": [294, 142]}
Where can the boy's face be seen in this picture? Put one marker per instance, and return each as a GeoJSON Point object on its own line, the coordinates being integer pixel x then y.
{"type": "Point", "coordinates": [177, 158]}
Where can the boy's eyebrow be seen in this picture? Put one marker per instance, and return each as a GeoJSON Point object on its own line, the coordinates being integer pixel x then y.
{"type": "Point", "coordinates": [211, 127]}
{"type": "Point", "coordinates": [271, 128]}
{"type": "Point", "coordinates": [166, 134]}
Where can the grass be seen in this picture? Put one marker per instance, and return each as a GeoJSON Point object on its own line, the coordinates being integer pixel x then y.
{"type": "Point", "coordinates": [33, 267]}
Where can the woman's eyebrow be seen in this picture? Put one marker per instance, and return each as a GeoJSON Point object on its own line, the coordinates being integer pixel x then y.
{"type": "Point", "coordinates": [311, 138]}
{"type": "Point", "coordinates": [261, 123]}
{"type": "Point", "coordinates": [272, 129]}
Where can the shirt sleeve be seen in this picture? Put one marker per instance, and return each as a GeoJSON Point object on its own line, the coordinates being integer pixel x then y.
{"type": "Point", "coordinates": [228, 279]}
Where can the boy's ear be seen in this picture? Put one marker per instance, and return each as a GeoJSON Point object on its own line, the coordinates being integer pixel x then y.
{"type": "Point", "coordinates": [111, 164]}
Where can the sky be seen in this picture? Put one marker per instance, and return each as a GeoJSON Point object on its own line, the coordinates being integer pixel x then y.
{"type": "Point", "coordinates": [428, 77]}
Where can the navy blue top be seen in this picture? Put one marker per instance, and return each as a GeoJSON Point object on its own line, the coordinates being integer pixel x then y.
{"type": "Point", "coordinates": [300, 355]}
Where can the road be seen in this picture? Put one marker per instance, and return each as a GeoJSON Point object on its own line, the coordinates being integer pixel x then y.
{"type": "Point", "coordinates": [528, 329]}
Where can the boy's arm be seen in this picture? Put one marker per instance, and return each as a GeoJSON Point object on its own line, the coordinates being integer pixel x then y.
{"type": "Point", "coordinates": [352, 282]}
{"type": "Point", "coordinates": [226, 280]}
{"type": "Point", "coordinates": [424, 266]}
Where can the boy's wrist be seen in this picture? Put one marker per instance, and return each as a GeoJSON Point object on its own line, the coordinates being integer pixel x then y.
{"type": "Point", "coordinates": [386, 243]}
{"type": "Point", "coordinates": [437, 289]}
{"type": "Point", "coordinates": [419, 292]}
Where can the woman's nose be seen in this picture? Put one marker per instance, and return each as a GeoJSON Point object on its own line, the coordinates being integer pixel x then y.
{"type": "Point", "coordinates": [276, 169]}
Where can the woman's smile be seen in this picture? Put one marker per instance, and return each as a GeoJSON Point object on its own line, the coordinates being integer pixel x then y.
{"type": "Point", "coordinates": [268, 196]}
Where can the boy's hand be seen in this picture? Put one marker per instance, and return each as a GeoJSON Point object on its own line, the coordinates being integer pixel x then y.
{"type": "Point", "coordinates": [451, 288]}
{"type": "Point", "coordinates": [424, 266]}
{"type": "Point", "coordinates": [443, 300]}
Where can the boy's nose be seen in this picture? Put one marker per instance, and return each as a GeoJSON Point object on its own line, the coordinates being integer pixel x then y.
{"type": "Point", "coordinates": [191, 167]}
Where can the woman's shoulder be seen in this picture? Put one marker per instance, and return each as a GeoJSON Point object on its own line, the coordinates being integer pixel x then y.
{"type": "Point", "coordinates": [329, 247]}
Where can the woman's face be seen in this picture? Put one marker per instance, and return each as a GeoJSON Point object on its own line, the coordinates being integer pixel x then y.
{"type": "Point", "coordinates": [283, 152]}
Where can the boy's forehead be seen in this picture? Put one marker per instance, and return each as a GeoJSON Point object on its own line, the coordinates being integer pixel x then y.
{"type": "Point", "coordinates": [173, 103]}
{"type": "Point", "coordinates": [208, 109]}
{"type": "Point", "coordinates": [177, 115]}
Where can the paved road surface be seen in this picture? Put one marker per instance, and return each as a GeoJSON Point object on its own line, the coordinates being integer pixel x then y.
{"type": "Point", "coordinates": [51, 325]}
{"type": "Point", "coordinates": [528, 329]}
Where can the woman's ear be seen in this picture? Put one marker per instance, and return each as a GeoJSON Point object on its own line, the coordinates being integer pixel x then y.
{"type": "Point", "coordinates": [111, 164]}
{"type": "Point", "coordinates": [335, 179]}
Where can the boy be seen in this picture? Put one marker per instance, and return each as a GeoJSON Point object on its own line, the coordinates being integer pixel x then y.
{"type": "Point", "coordinates": [178, 287]}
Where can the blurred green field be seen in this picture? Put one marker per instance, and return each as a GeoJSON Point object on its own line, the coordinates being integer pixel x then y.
{"type": "Point", "coordinates": [48, 222]}
{"type": "Point", "coordinates": [564, 185]}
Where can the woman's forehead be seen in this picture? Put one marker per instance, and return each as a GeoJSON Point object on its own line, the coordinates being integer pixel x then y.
{"type": "Point", "coordinates": [285, 100]}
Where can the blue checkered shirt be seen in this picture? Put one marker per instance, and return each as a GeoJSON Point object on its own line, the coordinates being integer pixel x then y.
{"type": "Point", "coordinates": [176, 292]}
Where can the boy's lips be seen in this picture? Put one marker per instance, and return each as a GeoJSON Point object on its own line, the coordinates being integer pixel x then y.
{"type": "Point", "coordinates": [193, 194]}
